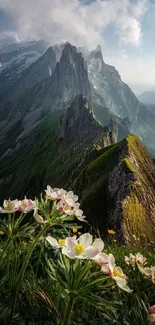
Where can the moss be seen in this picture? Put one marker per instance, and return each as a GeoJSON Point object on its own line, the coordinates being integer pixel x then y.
{"type": "Point", "coordinates": [135, 219]}
{"type": "Point", "coordinates": [128, 165]}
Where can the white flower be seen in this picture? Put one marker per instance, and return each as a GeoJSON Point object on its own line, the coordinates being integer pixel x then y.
{"type": "Point", "coordinates": [138, 259]}
{"type": "Point", "coordinates": [56, 243]}
{"type": "Point", "coordinates": [70, 198]}
{"type": "Point", "coordinates": [79, 214]}
{"type": "Point", "coordinates": [9, 206]}
{"type": "Point", "coordinates": [102, 259]}
{"type": "Point", "coordinates": [149, 273]}
{"type": "Point", "coordinates": [55, 193]}
{"type": "Point", "coordinates": [83, 247]}
{"type": "Point", "coordinates": [108, 266]}
{"type": "Point", "coordinates": [65, 201]}
{"type": "Point", "coordinates": [64, 208]}
{"type": "Point", "coordinates": [146, 271]}
{"type": "Point", "coordinates": [26, 205]}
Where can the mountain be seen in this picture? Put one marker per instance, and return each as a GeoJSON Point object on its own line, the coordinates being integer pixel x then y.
{"type": "Point", "coordinates": [15, 58]}
{"type": "Point", "coordinates": [117, 191]}
{"type": "Point", "coordinates": [34, 74]}
{"type": "Point", "coordinates": [62, 73]}
{"type": "Point", "coordinates": [114, 181]}
{"type": "Point", "coordinates": [64, 131]}
{"type": "Point", "coordinates": [112, 92]}
{"type": "Point", "coordinates": [54, 150]}
{"type": "Point", "coordinates": [148, 98]}
{"type": "Point", "coordinates": [70, 78]}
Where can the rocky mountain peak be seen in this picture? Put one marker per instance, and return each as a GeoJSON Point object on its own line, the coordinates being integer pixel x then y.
{"type": "Point", "coordinates": [97, 53]}
{"type": "Point", "coordinates": [70, 77]}
{"type": "Point", "coordinates": [79, 122]}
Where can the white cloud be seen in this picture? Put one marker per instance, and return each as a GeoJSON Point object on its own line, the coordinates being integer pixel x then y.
{"type": "Point", "coordinates": [81, 24]}
{"type": "Point", "coordinates": [130, 31]}
{"type": "Point", "coordinates": [139, 8]}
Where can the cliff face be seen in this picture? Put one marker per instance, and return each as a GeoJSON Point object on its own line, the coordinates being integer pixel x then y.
{"type": "Point", "coordinates": [55, 151]}
{"type": "Point", "coordinates": [118, 191]}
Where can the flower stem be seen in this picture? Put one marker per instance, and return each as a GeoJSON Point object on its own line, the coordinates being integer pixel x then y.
{"type": "Point", "coordinates": [23, 269]}
{"type": "Point", "coordinates": [68, 312]}
{"type": "Point", "coordinates": [5, 248]}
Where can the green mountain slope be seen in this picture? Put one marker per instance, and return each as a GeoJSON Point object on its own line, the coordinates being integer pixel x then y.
{"type": "Point", "coordinates": [115, 181]}
{"type": "Point", "coordinates": [54, 152]}
{"type": "Point", "coordinates": [117, 190]}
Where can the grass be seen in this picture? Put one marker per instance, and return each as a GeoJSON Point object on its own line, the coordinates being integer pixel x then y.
{"type": "Point", "coordinates": [33, 158]}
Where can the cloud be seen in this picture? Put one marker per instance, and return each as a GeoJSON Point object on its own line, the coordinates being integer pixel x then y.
{"type": "Point", "coordinates": [74, 21]}
{"type": "Point", "coordinates": [130, 31]}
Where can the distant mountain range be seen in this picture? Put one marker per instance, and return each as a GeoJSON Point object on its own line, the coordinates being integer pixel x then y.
{"type": "Point", "coordinates": [53, 81]}
{"type": "Point", "coordinates": [148, 99]}
{"type": "Point", "coordinates": [62, 112]}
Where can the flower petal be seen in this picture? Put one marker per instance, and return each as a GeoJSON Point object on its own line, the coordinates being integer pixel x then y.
{"type": "Point", "coordinates": [82, 219]}
{"type": "Point", "coordinates": [78, 213]}
{"type": "Point", "coordinates": [85, 239]}
{"type": "Point", "coordinates": [68, 252]}
{"type": "Point", "coordinates": [102, 258]}
{"type": "Point", "coordinates": [52, 241]}
{"type": "Point", "coordinates": [105, 268]}
{"type": "Point", "coordinates": [99, 244]}
{"type": "Point", "coordinates": [111, 261]}
{"type": "Point", "coordinates": [122, 284]}
{"type": "Point", "coordinates": [91, 252]}
{"type": "Point", "coordinates": [71, 242]}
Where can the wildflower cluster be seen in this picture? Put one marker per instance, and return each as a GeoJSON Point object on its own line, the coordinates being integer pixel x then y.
{"type": "Point", "coordinates": [23, 206]}
{"type": "Point", "coordinates": [141, 262]}
{"type": "Point", "coordinates": [82, 270]}
{"type": "Point", "coordinates": [85, 248]}
{"type": "Point", "coordinates": [64, 204]}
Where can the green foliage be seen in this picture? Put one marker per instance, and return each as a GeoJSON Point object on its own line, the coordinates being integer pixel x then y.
{"type": "Point", "coordinates": [40, 285]}
{"type": "Point", "coordinates": [33, 158]}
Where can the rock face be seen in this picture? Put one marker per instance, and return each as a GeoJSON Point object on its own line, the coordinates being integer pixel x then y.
{"type": "Point", "coordinates": [54, 80]}
{"type": "Point", "coordinates": [56, 92]}
{"type": "Point", "coordinates": [113, 93]}
{"type": "Point", "coordinates": [35, 73]}
{"type": "Point", "coordinates": [107, 83]}
{"type": "Point", "coordinates": [14, 59]}
{"type": "Point", "coordinates": [55, 150]}
{"type": "Point", "coordinates": [78, 120]}
{"type": "Point", "coordinates": [118, 188]}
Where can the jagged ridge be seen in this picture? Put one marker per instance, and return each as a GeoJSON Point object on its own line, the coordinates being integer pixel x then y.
{"type": "Point", "coordinates": [117, 190]}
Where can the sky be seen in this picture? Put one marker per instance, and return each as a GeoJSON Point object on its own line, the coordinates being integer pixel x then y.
{"type": "Point", "coordinates": [125, 29]}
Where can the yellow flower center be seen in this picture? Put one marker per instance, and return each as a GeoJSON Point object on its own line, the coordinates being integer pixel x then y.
{"type": "Point", "coordinates": [75, 230]}
{"type": "Point", "coordinates": [9, 207]}
{"type": "Point", "coordinates": [117, 272]}
{"type": "Point", "coordinates": [61, 242]}
{"type": "Point", "coordinates": [79, 248]}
